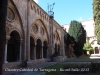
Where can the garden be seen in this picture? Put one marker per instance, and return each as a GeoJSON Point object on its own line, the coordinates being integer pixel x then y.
{"type": "Point", "coordinates": [75, 69]}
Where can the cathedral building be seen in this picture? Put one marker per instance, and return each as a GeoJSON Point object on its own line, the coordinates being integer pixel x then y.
{"type": "Point", "coordinates": [31, 35]}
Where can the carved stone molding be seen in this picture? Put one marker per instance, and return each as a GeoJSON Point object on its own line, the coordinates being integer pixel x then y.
{"type": "Point", "coordinates": [10, 14]}
{"type": "Point", "coordinates": [8, 28]}
{"type": "Point", "coordinates": [42, 31]}
{"type": "Point", "coordinates": [35, 28]}
{"type": "Point", "coordinates": [7, 38]}
{"type": "Point", "coordinates": [21, 40]}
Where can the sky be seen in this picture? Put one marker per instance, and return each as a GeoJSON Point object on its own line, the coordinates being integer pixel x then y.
{"type": "Point", "coordinates": [67, 10]}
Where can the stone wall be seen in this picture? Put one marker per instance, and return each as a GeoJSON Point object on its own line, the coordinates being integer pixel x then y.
{"type": "Point", "coordinates": [22, 15]}
{"type": "Point", "coordinates": [11, 65]}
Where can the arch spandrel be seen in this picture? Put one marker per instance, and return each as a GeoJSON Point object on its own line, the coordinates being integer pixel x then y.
{"type": "Point", "coordinates": [14, 20]}
{"type": "Point", "coordinates": [31, 35]}
{"type": "Point", "coordinates": [56, 37]}
{"type": "Point", "coordinates": [39, 38]}
{"type": "Point", "coordinates": [42, 31]}
{"type": "Point", "coordinates": [10, 28]}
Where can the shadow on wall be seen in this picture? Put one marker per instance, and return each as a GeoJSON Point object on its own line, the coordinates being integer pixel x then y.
{"type": "Point", "coordinates": [69, 43]}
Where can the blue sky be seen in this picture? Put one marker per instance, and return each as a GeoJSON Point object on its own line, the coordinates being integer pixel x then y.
{"type": "Point", "coordinates": [67, 10]}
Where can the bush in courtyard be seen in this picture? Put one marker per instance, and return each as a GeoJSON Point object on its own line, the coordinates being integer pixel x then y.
{"type": "Point", "coordinates": [87, 47]}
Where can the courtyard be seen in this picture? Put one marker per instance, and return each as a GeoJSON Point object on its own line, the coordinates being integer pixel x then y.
{"type": "Point", "coordinates": [56, 68]}
{"type": "Point", "coordinates": [36, 44]}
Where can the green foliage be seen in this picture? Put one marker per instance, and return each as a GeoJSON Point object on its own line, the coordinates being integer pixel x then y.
{"type": "Point", "coordinates": [96, 15]}
{"type": "Point", "coordinates": [77, 31]}
{"type": "Point", "coordinates": [98, 38]}
{"type": "Point", "coordinates": [87, 46]}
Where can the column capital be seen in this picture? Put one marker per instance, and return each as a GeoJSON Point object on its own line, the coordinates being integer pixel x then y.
{"type": "Point", "coordinates": [7, 38]}
{"type": "Point", "coordinates": [35, 43]}
{"type": "Point", "coordinates": [42, 45]}
{"type": "Point", "coordinates": [21, 40]}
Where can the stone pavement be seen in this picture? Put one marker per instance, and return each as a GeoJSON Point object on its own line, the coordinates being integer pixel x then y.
{"type": "Point", "coordinates": [40, 66]}
{"type": "Point", "coordinates": [75, 63]}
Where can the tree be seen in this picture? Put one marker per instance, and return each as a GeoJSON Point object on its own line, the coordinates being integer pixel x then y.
{"type": "Point", "coordinates": [77, 31]}
{"type": "Point", "coordinates": [3, 12]}
{"type": "Point", "coordinates": [96, 15]}
{"type": "Point", "coordinates": [87, 46]}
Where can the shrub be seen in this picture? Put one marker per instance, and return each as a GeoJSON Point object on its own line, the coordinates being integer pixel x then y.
{"type": "Point", "coordinates": [82, 68]}
{"type": "Point", "coordinates": [87, 46]}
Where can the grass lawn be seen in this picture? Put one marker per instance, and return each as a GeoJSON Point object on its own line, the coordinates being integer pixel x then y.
{"type": "Point", "coordinates": [80, 59]}
{"type": "Point", "coordinates": [58, 72]}
{"type": "Point", "coordinates": [83, 59]}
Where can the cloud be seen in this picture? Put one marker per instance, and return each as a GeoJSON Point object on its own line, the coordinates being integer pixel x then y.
{"type": "Point", "coordinates": [36, 1]}
{"type": "Point", "coordinates": [80, 19]}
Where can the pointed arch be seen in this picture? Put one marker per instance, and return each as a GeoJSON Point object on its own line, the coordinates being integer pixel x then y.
{"type": "Point", "coordinates": [93, 41]}
{"type": "Point", "coordinates": [57, 37]}
{"type": "Point", "coordinates": [19, 17]}
{"type": "Point", "coordinates": [44, 28]}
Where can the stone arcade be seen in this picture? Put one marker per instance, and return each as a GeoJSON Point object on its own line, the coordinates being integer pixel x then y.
{"type": "Point", "coordinates": [28, 35]}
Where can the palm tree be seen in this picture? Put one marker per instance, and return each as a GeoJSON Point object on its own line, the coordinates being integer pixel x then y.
{"type": "Point", "coordinates": [3, 13]}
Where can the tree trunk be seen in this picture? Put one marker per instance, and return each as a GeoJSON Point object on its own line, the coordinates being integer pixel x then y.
{"type": "Point", "coordinates": [3, 13]}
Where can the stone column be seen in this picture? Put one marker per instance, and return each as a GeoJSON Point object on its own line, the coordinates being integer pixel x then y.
{"type": "Point", "coordinates": [42, 52]}
{"type": "Point", "coordinates": [47, 53]}
{"type": "Point", "coordinates": [28, 31]}
{"type": "Point", "coordinates": [62, 45]}
{"type": "Point", "coordinates": [57, 48]}
{"type": "Point", "coordinates": [5, 53]}
{"type": "Point", "coordinates": [51, 37]}
{"type": "Point", "coordinates": [20, 55]}
{"type": "Point", "coordinates": [59, 51]}
{"type": "Point", "coordinates": [35, 52]}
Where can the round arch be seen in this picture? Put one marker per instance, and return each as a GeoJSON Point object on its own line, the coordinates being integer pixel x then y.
{"type": "Point", "coordinates": [93, 41]}
{"type": "Point", "coordinates": [15, 29]}
{"type": "Point", "coordinates": [45, 49]}
{"type": "Point", "coordinates": [32, 45]}
{"type": "Point", "coordinates": [13, 49]}
{"type": "Point", "coordinates": [38, 49]}
{"type": "Point", "coordinates": [37, 39]}
{"type": "Point", "coordinates": [31, 35]}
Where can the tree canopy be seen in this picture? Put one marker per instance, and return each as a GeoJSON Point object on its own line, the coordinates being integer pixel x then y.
{"type": "Point", "coordinates": [87, 46]}
{"type": "Point", "coordinates": [96, 15]}
{"type": "Point", "coordinates": [77, 31]}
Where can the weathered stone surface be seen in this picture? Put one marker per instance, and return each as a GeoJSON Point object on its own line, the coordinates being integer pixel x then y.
{"type": "Point", "coordinates": [59, 58]}
{"type": "Point", "coordinates": [29, 20]}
